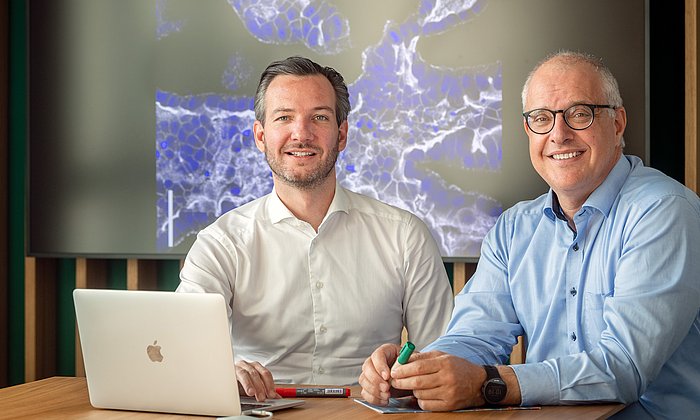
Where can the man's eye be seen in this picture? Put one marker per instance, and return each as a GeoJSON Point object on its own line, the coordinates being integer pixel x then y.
{"type": "Point", "coordinates": [282, 118]}
{"type": "Point", "coordinates": [579, 112]}
{"type": "Point", "coordinates": [540, 118]}
{"type": "Point", "coordinates": [321, 117]}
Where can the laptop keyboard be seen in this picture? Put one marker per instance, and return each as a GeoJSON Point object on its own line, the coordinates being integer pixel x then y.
{"type": "Point", "coordinates": [245, 406]}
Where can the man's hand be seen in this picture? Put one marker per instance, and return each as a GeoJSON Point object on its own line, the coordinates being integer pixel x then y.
{"type": "Point", "coordinates": [375, 375]}
{"type": "Point", "coordinates": [440, 381]}
{"type": "Point", "coordinates": [255, 380]}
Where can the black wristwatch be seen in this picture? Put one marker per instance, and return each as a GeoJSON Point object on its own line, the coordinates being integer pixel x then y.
{"type": "Point", "coordinates": [494, 389]}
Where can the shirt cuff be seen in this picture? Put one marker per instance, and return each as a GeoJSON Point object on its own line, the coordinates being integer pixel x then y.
{"type": "Point", "coordinates": [538, 384]}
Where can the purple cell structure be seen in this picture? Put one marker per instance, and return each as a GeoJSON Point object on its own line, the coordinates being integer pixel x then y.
{"type": "Point", "coordinates": [405, 113]}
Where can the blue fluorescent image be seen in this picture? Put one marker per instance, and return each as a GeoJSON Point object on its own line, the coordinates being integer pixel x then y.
{"type": "Point", "coordinates": [405, 113]}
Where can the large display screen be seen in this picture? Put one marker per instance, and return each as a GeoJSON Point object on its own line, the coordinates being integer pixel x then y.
{"type": "Point", "coordinates": [141, 112]}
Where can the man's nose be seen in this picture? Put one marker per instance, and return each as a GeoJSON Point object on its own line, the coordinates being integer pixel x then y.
{"type": "Point", "coordinates": [561, 131]}
{"type": "Point", "coordinates": [301, 130]}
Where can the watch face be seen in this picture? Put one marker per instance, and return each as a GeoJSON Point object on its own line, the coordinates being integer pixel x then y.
{"type": "Point", "coordinates": [494, 390]}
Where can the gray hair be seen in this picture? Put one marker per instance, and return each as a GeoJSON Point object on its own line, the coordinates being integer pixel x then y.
{"type": "Point", "coordinates": [611, 89]}
{"type": "Point", "coordinates": [300, 66]}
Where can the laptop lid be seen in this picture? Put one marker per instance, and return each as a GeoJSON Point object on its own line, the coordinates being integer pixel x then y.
{"type": "Point", "coordinates": [159, 351]}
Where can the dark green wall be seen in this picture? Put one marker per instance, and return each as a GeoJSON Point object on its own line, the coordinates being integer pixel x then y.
{"type": "Point", "coordinates": [16, 188]}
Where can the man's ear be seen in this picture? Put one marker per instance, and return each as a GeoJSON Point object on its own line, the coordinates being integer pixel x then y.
{"type": "Point", "coordinates": [259, 135]}
{"type": "Point", "coordinates": [620, 121]}
{"type": "Point", "coordinates": [342, 135]}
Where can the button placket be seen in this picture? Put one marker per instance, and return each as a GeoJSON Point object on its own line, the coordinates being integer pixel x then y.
{"type": "Point", "coordinates": [316, 285]}
{"type": "Point", "coordinates": [573, 263]}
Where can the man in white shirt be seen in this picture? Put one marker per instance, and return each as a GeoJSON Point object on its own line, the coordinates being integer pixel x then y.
{"type": "Point", "coordinates": [316, 276]}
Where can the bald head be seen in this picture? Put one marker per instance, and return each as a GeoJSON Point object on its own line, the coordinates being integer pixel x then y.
{"type": "Point", "coordinates": [569, 59]}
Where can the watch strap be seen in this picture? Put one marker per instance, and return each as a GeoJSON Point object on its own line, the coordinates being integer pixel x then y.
{"type": "Point", "coordinates": [491, 372]}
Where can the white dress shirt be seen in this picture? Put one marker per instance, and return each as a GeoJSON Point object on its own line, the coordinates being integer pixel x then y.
{"type": "Point", "coordinates": [309, 306]}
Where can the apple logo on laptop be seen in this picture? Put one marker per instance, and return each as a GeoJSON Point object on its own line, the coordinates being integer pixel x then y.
{"type": "Point", "coordinates": [153, 351]}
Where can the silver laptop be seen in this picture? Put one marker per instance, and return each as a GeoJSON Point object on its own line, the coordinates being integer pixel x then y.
{"type": "Point", "coordinates": [161, 351]}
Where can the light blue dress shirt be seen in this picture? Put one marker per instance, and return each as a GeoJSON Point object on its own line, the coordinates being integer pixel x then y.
{"type": "Point", "coordinates": [610, 313]}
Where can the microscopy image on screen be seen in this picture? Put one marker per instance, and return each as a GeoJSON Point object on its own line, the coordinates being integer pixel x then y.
{"type": "Point", "coordinates": [141, 111]}
{"type": "Point", "coordinates": [407, 115]}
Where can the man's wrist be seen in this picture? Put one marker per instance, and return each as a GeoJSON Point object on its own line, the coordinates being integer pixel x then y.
{"type": "Point", "coordinates": [508, 375]}
{"type": "Point", "coordinates": [505, 378]}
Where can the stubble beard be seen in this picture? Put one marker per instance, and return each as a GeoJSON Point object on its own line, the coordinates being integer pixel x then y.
{"type": "Point", "coordinates": [309, 180]}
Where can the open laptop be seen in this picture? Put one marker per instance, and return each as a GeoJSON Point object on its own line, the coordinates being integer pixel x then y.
{"type": "Point", "coordinates": [161, 351]}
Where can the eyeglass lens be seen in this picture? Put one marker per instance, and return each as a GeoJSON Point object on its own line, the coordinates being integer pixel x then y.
{"type": "Point", "coordinates": [578, 117]}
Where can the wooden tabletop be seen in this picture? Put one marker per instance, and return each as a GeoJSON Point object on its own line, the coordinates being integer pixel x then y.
{"type": "Point", "coordinates": [67, 397]}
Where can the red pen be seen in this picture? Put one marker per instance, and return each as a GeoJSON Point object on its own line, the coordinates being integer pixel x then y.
{"type": "Point", "coordinates": [313, 392]}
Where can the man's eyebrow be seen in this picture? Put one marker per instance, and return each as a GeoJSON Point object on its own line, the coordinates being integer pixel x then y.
{"type": "Point", "coordinates": [325, 108]}
{"type": "Point", "coordinates": [278, 110]}
{"type": "Point", "coordinates": [318, 108]}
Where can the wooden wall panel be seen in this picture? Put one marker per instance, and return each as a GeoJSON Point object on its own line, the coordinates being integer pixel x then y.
{"type": "Point", "coordinates": [90, 273]}
{"type": "Point", "coordinates": [461, 273]}
{"type": "Point", "coordinates": [39, 318]}
{"type": "Point", "coordinates": [141, 274]}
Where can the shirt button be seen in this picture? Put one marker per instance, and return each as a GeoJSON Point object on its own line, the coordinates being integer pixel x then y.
{"type": "Point", "coordinates": [573, 291]}
{"type": "Point", "coordinates": [321, 370]}
{"type": "Point", "coordinates": [319, 285]}
{"type": "Point", "coordinates": [576, 247]}
{"type": "Point", "coordinates": [573, 336]}
{"type": "Point", "coordinates": [323, 329]}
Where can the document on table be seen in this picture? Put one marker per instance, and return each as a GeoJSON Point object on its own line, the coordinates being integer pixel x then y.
{"type": "Point", "coordinates": [410, 405]}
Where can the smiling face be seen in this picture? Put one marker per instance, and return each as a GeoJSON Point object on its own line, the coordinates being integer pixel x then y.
{"type": "Point", "coordinates": [300, 136]}
{"type": "Point", "coordinates": [573, 162]}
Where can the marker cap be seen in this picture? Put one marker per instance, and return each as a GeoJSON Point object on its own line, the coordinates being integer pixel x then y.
{"type": "Point", "coordinates": [405, 352]}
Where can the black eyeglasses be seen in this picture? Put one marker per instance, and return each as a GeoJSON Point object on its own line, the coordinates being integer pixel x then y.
{"type": "Point", "coordinates": [578, 117]}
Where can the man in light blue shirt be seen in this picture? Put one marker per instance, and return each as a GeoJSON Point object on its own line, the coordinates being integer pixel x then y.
{"type": "Point", "coordinates": [601, 275]}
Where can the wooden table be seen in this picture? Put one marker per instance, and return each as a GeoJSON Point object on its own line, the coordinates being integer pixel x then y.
{"type": "Point", "coordinates": [67, 398]}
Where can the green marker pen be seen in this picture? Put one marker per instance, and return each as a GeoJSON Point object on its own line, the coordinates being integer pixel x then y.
{"type": "Point", "coordinates": [405, 353]}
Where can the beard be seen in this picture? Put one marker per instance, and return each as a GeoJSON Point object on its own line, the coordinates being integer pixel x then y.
{"type": "Point", "coordinates": [309, 179]}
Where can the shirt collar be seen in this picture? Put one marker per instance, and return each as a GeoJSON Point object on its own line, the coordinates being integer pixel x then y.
{"type": "Point", "coordinates": [277, 211]}
{"type": "Point", "coordinates": [341, 201]}
{"type": "Point", "coordinates": [603, 197]}
{"type": "Point", "coordinates": [552, 208]}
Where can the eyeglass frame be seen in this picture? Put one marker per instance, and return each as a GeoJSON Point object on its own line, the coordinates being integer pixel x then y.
{"type": "Point", "coordinates": [593, 107]}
